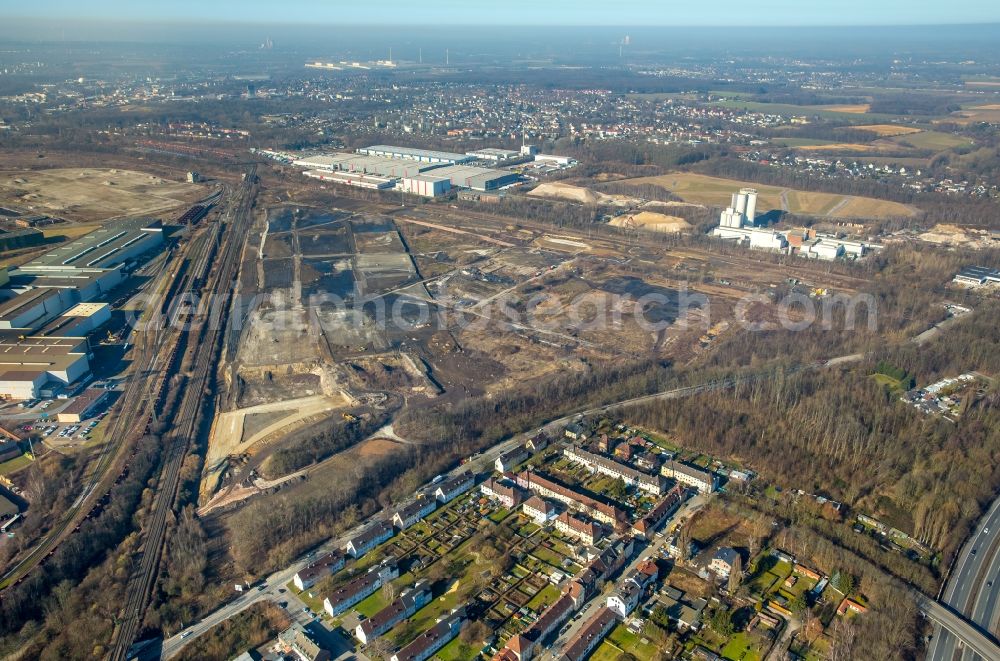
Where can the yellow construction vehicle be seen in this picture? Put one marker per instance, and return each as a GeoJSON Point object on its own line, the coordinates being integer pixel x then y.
{"type": "Point", "coordinates": [350, 418]}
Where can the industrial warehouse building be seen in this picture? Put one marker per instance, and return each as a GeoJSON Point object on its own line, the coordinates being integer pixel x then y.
{"type": "Point", "coordinates": [481, 179]}
{"type": "Point", "coordinates": [427, 185]}
{"type": "Point", "coordinates": [35, 308]}
{"type": "Point", "coordinates": [107, 248]}
{"type": "Point", "coordinates": [352, 179]}
{"type": "Point", "coordinates": [371, 165]}
{"type": "Point", "coordinates": [492, 154]}
{"type": "Point", "coordinates": [46, 308]}
{"type": "Point", "coordinates": [88, 283]}
{"type": "Point", "coordinates": [84, 406]}
{"type": "Point", "coordinates": [28, 369]}
{"type": "Point", "coordinates": [420, 155]}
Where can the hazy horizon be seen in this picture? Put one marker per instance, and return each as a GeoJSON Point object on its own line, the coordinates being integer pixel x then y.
{"type": "Point", "coordinates": [716, 13]}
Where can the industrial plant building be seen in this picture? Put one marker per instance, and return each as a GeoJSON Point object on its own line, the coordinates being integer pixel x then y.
{"type": "Point", "coordinates": [481, 179]}
{"type": "Point", "coordinates": [413, 171]}
{"type": "Point", "coordinates": [35, 308]}
{"type": "Point", "coordinates": [28, 369]}
{"type": "Point", "coordinates": [493, 154]}
{"type": "Point", "coordinates": [48, 308]}
{"type": "Point", "coordinates": [110, 247]}
{"type": "Point", "coordinates": [977, 276]}
{"type": "Point", "coordinates": [737, 223]}
{"type": "Point", "coordinates": [420, 155]}
{"type": "Point", "coordinates": [425, 184]}
{"type": "Point", "coordinates": [352, 179]}
{"type": "Point", "coordinates": [371, 165]}
{"type": "Point", "coordinates": [88, 283]}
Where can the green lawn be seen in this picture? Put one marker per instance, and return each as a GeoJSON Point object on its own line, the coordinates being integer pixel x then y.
{"type": "Point", "coordinates": [545, 596]}
{"type": "Point", "coordinates": [934, 140]}
{"type": "Point", "coordinates": [548, 556]}
{"type": "Point", "coordinates": [499, 514]}
{"type": "Point", "coordinates": [623, 639]}
{"type": "Point", "coordinates": [887, 381]}
{"type": "Point", "coordinates": [456, 650]}
{"type": "Point", "coordinates": [15, 464]}
{"type": "Point", "coordinates": [370, 604]}
{"type": "Point", "coordinates": [741, 647]}
{"type": "Point", "coordinates": [315, 603]}
{"type": "Point", "coordinates": [606, 652]}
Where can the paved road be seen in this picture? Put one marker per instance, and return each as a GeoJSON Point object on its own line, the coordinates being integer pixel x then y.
{"type": "Point", "coordinates": [968, 591]}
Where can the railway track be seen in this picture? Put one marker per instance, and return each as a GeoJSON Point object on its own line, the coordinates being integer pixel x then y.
{"type": "Point", "coordinates": [130, 418]}
{"type": "Point", "coordinates": [202, 352]}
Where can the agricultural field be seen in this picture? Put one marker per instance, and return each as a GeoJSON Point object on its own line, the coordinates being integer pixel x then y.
{"type": "Point", "coordinates": [888, 130]}
{"type": "Point", "coordinates": [852, 113]}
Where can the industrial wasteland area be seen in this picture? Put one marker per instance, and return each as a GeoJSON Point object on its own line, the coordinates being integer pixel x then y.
{"type": "Point", "coordinates": [326, 343]}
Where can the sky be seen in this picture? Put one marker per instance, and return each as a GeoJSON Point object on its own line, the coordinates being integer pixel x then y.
{"type": "Point", "coordinates": [520, 12]}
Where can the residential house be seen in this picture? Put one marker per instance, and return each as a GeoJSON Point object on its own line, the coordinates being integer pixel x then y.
{"type": "Point", "coordinates": [625, 451]}
{"type": "Point", "coordinates": [369, 539]}
{"type": "Point", "coordinates": [656, 517]}
{"type": "Point", "coordinates": [409, 602]}
{"type": "Point", "coordinates": [653, 484]}
{"type": "Point", "coordinates": [518, 648]}
{"type": "Point", "coordinates": [574, 526]}
{"type": "Point", "coordinates": [683, 613]}
{"type": "Point", "coordinates": [647, 461]}
{"type": "Point", "coordinates": [547, 487]}
{"type": "Point", "coordinates": [413, 513]}
{"type": "Point", "coordinates": [307, 577]}
{"type": "Point", "coordinates": [509, 495]}
{"type": "Point", "coordinates": [805, 571]}
{"type": "Point", "coordinates": [575, 431]}
{"type": "Point", "coordinates": [704, 480]}
{"type": "Point", "coordinates": [723, 562]}
{"type": "Point", "coordinates": [510, 459]}
{"type": "Point", "coordinates": [646, 572]}
{"type": "Point", "coordinates": [452, 488]}
{"type": "Point", "coordinates": [358, 588]}
{"type": "Point", "coordinates": [299, 641]}
{"type": "Point", "coordinates": [625, 598]}
{"type": "Point", "coordinates": [590, 636]}
{"type": "Point", "coordinates": [429, 642]}
{"type": "Point", "coordinates": [675, 551]}
{"type": "Point", "coordinates": [550, 619]}
{"type": "Point", "coordinates": [605, 444]}
{"type": "Point", "coordinates": [537, 443]}
{"type": "Point", "coordinates": [850, 605]}
{"type": "Point", "coordinates": [539, 510]}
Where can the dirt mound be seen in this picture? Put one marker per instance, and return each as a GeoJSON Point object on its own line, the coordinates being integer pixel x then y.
{"type": "Point", "coordinates": [653, 222]}
{"type": "Point", "coordinates": [567, 192]}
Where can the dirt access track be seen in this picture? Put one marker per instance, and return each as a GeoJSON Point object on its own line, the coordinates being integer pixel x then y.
{"type": "Point", "coordinates": [237, 432]}
{"type": "Point", "coordinates": [93, 194]}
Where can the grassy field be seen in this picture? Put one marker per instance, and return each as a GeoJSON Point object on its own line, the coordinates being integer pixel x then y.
{"type": "Point", "coordinates": [620, 641]}
{"type": "Point", "coordinates": [715, 191]}
{"type": "Point", "coordinates": [15, 464]}
{"type": "Point", "coordinates": [888, 130]}
{"type": "Point", "coordinates": [742, 647]}
{"type": "Point", "coordinates": [857, 114]}
{"type": "Point", "coordinates": [801, 142]}
{"type": "Point", "coordinates": [934, 140]}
